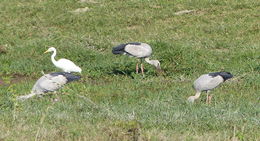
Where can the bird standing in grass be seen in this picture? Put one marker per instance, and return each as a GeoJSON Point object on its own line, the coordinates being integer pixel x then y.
{"type": "Point", "coordinates": [63, 64]}
{"type": "Point", "coordinates": [207, 82]}
{"type": "Point", "coordinates": [50, 83]}
{"type": "Point", "coordinates": [138, 50]}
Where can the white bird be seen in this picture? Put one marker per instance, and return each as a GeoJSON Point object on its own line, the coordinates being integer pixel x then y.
{"type": "Point", "coordinates": [63, 64]}
{"type": "Point", "coordinates": [138, 50]}
{"type": "Point", "coordinates": [207, 82]}
{"type": "Point", "coordinates": [50, 83]}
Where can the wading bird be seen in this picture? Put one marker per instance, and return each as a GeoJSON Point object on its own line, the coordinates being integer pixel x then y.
{"type": "Point", "coordinates": [207, 82]}
{"type": "Point", "coordinates": [138, 50]}
{"type": "Point", "coordinates": [50, 83]}
{"type": "Point", "coordinates": [63, 64]}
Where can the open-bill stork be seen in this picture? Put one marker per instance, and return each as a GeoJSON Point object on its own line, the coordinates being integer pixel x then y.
{"type": "Point", "coordinates": [207, 82]}
{"type": "Point", "coordinates": [49, 83]}
{"type": "Point", "coordinates": [138, 50]}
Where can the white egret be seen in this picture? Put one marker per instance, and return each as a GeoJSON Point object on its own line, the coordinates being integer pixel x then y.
{"type": "Point", "coordinates": [138, 50]}
{"type": "Point", "coordinates": [207, 82]}
{"type": "Point", "coordinates": [63, 64]}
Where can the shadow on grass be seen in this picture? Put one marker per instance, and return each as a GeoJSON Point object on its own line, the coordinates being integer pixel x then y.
{"type": "Point", "coordinates": [125, 72]}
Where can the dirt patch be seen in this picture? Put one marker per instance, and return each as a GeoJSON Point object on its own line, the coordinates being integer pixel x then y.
{"type": "Point", "coordinates": [1, 82]}
{"type": "Point", "coordinates": [3, 49]}
{"type": "Point", "coordinates": [88, 1]}
{"type": "Point", "coordinates": [184, 12]}
{"type": "Point", "coordinates": [131, 27]}
{"type": "Point", "coordinates": [80, 10]}
{"type": "Point", "coordinates": [17, 78]}
{"type": "Point", "coordinates": [7, 80]}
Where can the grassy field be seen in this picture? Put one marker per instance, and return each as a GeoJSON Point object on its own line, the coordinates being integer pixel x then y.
{"type": "Point", "coordinates": [111, 102]}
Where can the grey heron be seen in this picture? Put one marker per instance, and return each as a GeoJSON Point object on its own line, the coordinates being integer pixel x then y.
{"type": "Point", "coordinates": [63, 64]}
{"type": "Point", "coordinates": [138, 50]}
{"type": "Point", "coordinates": [50, 83]}
{"type": "Point", "coordinates": [207, 82]}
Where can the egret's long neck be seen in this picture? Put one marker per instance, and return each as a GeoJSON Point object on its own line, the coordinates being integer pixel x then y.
{"type": "Point", "coordinates": [52, 57]}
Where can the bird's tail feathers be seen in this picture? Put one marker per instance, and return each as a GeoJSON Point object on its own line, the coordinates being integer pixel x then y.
{"type": "Point", "coordinates": [71, 77]}
{"type": "Point", "coordinates": [118, 52]}
{"type": "Point", "coordinates": [119, 49]}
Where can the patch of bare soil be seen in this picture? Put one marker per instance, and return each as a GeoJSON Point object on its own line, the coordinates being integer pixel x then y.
{"type": "Point", "coordinates": [1, 82]}
{"type": "Point", "coordinates": [17, 78]}
{"type": "Point", "coordinates": [88, 1]}
{"type": "Point", "coordinates": [7, 80]}
{"type": "Point", "coordinates": [184, 12]}
{"type": "Point", "coordinates": [3, 49]}
{"type": "Point", "coordinates": [81, 10]}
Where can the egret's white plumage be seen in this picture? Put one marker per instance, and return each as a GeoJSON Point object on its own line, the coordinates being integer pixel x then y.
{"type": "Point", "coordinates": [138, 50]}
{"type": "Point", "coordinates": [207, 82]}
{"type": "Point", "coordinates": [63, 64]}
{"type": "Point", "coordinates": [50, 83]}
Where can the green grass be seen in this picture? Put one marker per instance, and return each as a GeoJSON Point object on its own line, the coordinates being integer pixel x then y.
{"type": "Point", "coordinates": [111, 102]}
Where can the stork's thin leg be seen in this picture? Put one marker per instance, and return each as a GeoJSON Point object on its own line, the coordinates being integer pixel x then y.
{"type": "Point", "coordinates": [210, 97]}
{"type": "Point", "coordinates": [142, 69]}
{"type": "Point", "coordinates": [208, 100]}
{"type": "Point", "coordinates": [136, 68]}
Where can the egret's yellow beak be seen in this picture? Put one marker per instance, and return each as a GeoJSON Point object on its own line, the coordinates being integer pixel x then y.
{"type": "Point", "coordinates": [46, 51]}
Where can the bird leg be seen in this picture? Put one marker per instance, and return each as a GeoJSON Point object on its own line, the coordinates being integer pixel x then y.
{"type": "Point", "coordinates": [136, 68]}
{"type": "Point", "coordinates": [210, 97]}
{"type": "Point", "coordinates": [208, 100]}
{"type": "Point", "coordinates": [142, 69]}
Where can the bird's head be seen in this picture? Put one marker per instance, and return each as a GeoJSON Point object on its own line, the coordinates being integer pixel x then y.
{"type": "Point", "coordinates": [226, 75]}
{"type": "Point", "coordinates": [156, 63]}
{"type": "Point", "coordinates": [51, 49]}
{"type": "Point", "coordinates": [191, 99]}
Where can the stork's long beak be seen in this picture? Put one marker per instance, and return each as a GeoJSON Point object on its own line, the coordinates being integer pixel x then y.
{"type": "Point", "coordinates": [46, 51]}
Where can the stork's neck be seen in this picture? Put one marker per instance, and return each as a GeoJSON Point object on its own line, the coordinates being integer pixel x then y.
{"type": "Point", "coordinates": [52, 57]}
{"type": "Point", "coordinates": [197, 95]}
{"type": "Point", "coordinates": [192, 98]}
{"type": "Point", "coordinates": [152, 62]}
{"type": "Point", "coordinates": [148, 61]}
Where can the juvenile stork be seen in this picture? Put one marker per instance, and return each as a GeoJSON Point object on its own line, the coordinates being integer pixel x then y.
{"type": "Point", "coordinates": [138, 50]}
{"type": "Point", "coordinates": [50, 83]}
{"type": "Point", "coordinates": [207, 82]}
